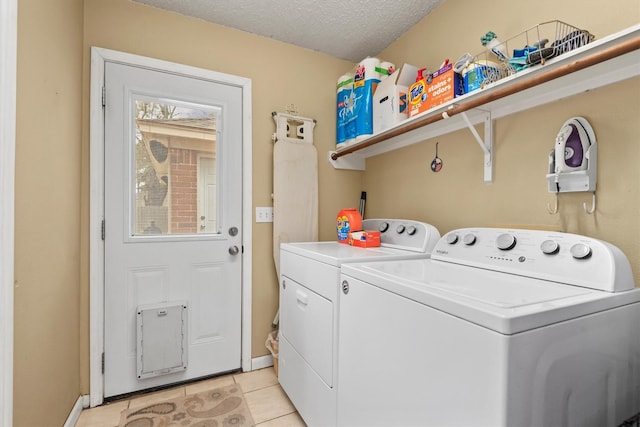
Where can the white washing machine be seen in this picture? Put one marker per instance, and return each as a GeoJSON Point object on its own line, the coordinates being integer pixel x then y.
{"type": "Point", "coordinates": [499, 328]}
{"type": "Point", "coordinates": [309, 306]}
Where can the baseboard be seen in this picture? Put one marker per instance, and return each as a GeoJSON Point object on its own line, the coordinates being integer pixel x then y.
{"type": "Point", "coordinates": [261, 362]}
{"type": "Point", "coordinates": [74, 416]}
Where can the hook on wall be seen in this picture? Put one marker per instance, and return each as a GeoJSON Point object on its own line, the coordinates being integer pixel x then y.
{"type": "Point", "coordinates": [593, 204]}
{"type": "Point", "coordinates": [555, 207]}
{"type": "Point", "coordinates": [554, 210]}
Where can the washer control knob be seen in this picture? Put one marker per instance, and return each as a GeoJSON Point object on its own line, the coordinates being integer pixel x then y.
{"type": "Point", "coordinates": [411, 230]}
{"type": "Point", "coordinates": [452, 238]}
{"type": "Point", "coordinates": [400, 229]}
{"type": "Point", "coordinates": [469, 239]}
{"type": "Point", "coordinates": [550, 247]}
{"type": "Point", "coordinates": [506, 241]}
{"type": "Point", "coordinates": [384, 226]}
{"type": "Point", "coordinates": [580, 251]}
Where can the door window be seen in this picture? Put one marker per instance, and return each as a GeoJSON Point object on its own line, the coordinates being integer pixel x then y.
{"type": "Point", "coordinates": [175, 172]}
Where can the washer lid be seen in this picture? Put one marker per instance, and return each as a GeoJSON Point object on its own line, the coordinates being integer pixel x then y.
{"type": "Point", "coordinates": [506, 303]}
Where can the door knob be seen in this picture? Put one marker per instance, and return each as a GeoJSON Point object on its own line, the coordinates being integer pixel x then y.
{"type": "Point", "coordinates": [233, 250]}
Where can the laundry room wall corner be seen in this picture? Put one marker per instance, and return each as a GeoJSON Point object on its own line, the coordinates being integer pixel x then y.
{"type": "Point", "coordinates": [47, 212]}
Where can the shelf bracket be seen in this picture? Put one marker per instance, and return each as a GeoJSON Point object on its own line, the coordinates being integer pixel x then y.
{"type": "Point", "coordinates": [486, 145]}
{"type": "Point", "coordinates": [352, 162]}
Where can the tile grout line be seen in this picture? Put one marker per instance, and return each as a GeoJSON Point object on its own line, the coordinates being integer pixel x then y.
{"type": "Point", "coordinates": [262, 388]}
{"type": "Point", "coordinates": [275, 418]}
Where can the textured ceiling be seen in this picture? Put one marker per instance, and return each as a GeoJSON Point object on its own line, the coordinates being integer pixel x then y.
{"type": "Point", "coordinates": [348, 30]}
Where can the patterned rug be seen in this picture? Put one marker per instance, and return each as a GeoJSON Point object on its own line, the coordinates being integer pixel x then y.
{"type": "Point", "coordinates": [221, 407]}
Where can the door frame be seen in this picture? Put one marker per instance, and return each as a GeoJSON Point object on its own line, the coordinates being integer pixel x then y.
{"type": "Point", "coordinates": [8, 61]}
{"type": "Point", "coordinates": [99, 56]}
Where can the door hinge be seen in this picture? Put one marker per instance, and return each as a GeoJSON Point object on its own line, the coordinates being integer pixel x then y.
{"type": "Point", "coordinates": [103, 362]}
{"type": "Point", "coordinates": [102, 231]}
{"type": "Point", "coordinates": [104, 96]}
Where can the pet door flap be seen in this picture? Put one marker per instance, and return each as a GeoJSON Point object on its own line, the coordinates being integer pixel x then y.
{"type": "Point", "coordinates": [161, 339]}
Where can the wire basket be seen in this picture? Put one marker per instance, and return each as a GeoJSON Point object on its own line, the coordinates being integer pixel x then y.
{"type": "Point", "coordinates": [529, 48]}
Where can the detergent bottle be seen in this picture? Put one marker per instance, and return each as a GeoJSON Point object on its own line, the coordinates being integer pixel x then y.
{"type": "Point", "coordinates": [348, 220]}
{"type": "Point", "coordinates": [418, 91]}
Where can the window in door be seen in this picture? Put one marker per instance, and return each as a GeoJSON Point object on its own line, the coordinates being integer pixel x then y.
{"type": "Point", "coordinates": [175, 168]}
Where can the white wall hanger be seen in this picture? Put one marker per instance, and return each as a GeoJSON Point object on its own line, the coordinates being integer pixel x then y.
{"type": "Point", "coordinates": [293, 128]}
{"type": "Point", "coordinates": [573, 162]}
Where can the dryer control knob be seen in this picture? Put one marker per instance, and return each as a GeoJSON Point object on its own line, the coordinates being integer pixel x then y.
{"type": "Point", "coordinates": [469, 239]}
{"type": "Point", "coordinates": [452, 238]}
{"type": "Point", "coordinates": [384, 226]}
{"type": "Point", "coordinates": [580, 251]}
{"type": "Point", "coordinates": [411, 230]}
{"type": "Point", "coordinates": [550, 247]}
{"type": "Point", "coordinates": [506, 241]}
{"type": "Point", "coordinates": [400, 229]}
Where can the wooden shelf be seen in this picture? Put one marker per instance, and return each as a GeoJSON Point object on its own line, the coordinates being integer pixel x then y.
{"type": "Point", "coordinates": [609, 60]}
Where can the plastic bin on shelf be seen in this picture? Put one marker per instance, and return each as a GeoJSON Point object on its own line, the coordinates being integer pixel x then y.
{"type": "Point", "coordinates": [532, 47]}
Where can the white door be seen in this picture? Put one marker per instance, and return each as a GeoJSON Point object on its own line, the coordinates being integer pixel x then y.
{"type": "Point", "coordinates": [158, 126]}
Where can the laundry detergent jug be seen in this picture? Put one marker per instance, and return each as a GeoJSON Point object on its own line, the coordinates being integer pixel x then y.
{"type": "Point", "coordinates": [348, 220]}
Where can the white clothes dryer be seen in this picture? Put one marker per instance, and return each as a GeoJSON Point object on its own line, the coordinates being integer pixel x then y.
{"type": "Point", "coordinates": [499, 328]}
{"type": "Point", "coordinates": [309, 306]}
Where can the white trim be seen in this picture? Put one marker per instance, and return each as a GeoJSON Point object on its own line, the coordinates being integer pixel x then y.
{"type": "Point", "coordinates": [96, 215]}
{"type": "Point", "coordinates": [247, 221]}
{"type": "Point", "coordinates": [8, 52]}
{"type": "Point", "coordinates": [96, 211]}
{"type": "Point", "coordinates": [74, 415]}
{"type": "Point", "coordinates": [261, 362]}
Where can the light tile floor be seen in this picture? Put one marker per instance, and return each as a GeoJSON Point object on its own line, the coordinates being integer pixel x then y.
{"type": "Point", "coordinates": [269, 405]}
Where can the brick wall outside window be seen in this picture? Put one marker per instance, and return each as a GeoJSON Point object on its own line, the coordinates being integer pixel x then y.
{"type": "Point", "coordinates": [184, 191]}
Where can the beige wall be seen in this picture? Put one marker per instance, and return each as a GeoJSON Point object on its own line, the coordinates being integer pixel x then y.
{"type": "Point", "coordinates": [47, 211]}
{"type": "Point", "coordinates": [401, 183]}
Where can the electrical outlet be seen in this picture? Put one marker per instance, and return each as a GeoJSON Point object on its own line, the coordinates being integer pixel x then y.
{"type": "Point", "coordinates": [264, 214]}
